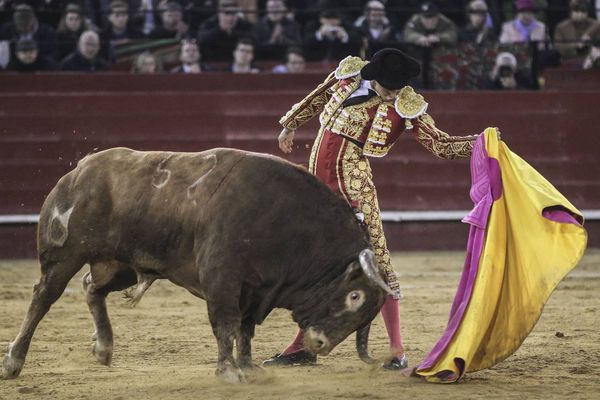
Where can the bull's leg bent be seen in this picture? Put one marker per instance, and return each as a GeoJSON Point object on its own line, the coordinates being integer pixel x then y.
{"type": "Point", "coordinates": [101, 280]}
{"type": "Point", "coordinates": [53, 281]}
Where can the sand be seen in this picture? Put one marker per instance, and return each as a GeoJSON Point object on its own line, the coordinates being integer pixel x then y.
{"type": "Point", "coordinates": [164, 348]}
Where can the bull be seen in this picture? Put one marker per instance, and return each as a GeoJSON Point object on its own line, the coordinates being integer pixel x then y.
{"type": "Point", "coordinates": [244, 231]}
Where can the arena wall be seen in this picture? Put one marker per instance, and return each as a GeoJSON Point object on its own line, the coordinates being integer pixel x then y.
{"type": "Point", "coordinates": [48, 123]}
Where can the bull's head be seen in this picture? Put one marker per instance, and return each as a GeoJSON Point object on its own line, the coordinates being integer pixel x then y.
{"type": "Point", "coordinates": [351, 301]}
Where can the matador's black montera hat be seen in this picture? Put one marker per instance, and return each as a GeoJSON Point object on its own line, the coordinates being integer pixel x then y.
{"type": "Point", "coordinates": [391, 68]}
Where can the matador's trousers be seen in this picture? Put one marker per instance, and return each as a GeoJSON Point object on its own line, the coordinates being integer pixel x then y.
{"type": "Point", "coordinates": [340, 164]}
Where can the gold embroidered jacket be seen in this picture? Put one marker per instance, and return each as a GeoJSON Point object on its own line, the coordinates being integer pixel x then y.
{"type": "Point", "coordinates": [376, 123]}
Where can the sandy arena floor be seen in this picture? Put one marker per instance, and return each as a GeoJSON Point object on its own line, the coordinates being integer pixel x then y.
{"type": "Point", "coordinates": [164, 348]}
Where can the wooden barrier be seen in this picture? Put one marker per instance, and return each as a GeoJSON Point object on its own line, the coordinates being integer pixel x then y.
{"type": "Point", "coordinates": [49, 122]}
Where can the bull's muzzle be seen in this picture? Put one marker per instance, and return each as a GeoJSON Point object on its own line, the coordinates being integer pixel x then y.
{"type": "Point", "coordinates": [317, 342]}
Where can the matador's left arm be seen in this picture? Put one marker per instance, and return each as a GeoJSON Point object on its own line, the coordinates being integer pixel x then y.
{"type": "Point", "coordinates": [439, 142]}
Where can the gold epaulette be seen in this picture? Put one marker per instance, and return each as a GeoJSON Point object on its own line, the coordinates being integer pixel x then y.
{"type": "Point", "coordinates": [349, 67]}
{"type": "Point", "coordinates": [410, 104]}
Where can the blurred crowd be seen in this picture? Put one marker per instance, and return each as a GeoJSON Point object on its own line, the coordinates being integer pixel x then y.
{"type": "Point", "coordinates": [239, 35]}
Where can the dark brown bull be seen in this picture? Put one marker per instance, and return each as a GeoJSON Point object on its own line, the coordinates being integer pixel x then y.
{"type": "Point", "coordinates": [244, 231]}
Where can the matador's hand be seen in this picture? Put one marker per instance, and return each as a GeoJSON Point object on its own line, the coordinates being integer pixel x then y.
{"type": "Point", "coordinates": [498, 132]}
{"type": "Point", "coordinates": [286, 140]}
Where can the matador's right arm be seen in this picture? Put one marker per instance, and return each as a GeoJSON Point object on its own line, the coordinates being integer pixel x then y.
{"type": "Point", "coordinates": [313, 104]}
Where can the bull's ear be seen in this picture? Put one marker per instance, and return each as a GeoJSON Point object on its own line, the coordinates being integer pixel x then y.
{"type": "Point", "coordinates": [353, 271]}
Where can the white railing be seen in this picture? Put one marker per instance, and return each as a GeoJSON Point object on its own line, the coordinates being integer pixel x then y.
{"type": "Point", "coordinates": [386, 216]}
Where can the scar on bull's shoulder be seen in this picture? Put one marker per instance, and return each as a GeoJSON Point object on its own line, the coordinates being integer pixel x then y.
{"type": "Point", "coordinates": [58, 228]}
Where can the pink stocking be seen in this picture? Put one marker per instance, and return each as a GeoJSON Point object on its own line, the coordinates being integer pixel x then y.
{"type": "Point", "coordinates": [391, 316]}
{"type": "Point", "coordinates": [296, 345]}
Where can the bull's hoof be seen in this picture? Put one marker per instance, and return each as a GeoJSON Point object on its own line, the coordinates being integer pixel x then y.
{"type": "Point", "coordinates": [102, 353]}
{"type": "Point", "coordinates": [11, 368]}
{"type": "Point", "coordinates": [230, 374]}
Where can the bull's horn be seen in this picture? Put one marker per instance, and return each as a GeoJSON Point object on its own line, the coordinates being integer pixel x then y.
{"type": "Point", "coordinates": [362, 344]}
{"type": "Point", "coordinates": [367, 262]}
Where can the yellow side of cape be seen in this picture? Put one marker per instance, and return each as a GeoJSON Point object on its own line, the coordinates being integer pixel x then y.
{"type": "Point", "coordinates": [524, 257]}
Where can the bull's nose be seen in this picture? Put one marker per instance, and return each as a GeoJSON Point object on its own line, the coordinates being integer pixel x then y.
{"type": "Point", "coordinates": [316, 341]}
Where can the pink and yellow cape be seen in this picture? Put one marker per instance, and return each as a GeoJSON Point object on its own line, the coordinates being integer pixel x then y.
{"type": "Point", "coordinates": [524, 238]}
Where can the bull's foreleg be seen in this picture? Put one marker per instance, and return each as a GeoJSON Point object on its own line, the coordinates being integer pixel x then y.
{"type": "Point", "coordinates": [52, 284]}
{"type": "Point", "coordinates": [226, 321]}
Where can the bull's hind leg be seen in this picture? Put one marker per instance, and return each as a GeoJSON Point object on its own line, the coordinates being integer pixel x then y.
{"type": "Point", "coordinates": [54, 279]}
{"type": "Point", "coordinates": [102, 279]}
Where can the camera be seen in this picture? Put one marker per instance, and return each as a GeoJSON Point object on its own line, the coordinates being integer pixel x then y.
{"type": "Point", "coordinates": [505, 72]}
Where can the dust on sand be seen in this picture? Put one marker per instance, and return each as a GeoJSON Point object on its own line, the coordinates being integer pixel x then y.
{"type": "Point", "coordinates": [164, 348]}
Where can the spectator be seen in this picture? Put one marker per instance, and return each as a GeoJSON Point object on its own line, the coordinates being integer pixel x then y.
{"type": "Point", "coordinates": [525, 27]}
{"type": "Point", "coordinates": [190, 56]}
{"type": "Point", "coordinates": [85, 58]}
{"type": "Point", "coordinates": [27, 58]}
{"type": "Point", "coordinates": [430, 28]}
{"type": "Point", "coordinates": [592, 60]}
{"type": "Point", "coordinates": [25, 25]}
{"type": "Point", "coordinates": [277, 27]}
{"type": "Point", "coordinates": [219, 35]}
{"type": "Point", "coordinates": [329, 39]}
{"type": "Point", "coordinates": [506, 76]}
{"type": "Point", "coordinates": [118, 29]}
{"type": "Point", "coordinates": [243, 57]}
{"type": "Point", "coordinates": [146, 63]}
{"type": "Point", "coordinates": [172, 25]}
{"type": "Point", "coordinates": [294, 62]}
{"type": "Point", "coordinates": [374, 27]}
{"type": "Point", "coordinates": [476, 31]}
{"type": "Point", "coordinates": [568, 35]}
{"type": "Point", "coordinates": [70, 27]}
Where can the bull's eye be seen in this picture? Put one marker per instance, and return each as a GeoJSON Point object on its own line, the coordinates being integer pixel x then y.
{"type": "Point", "coordinates": [354, 300]}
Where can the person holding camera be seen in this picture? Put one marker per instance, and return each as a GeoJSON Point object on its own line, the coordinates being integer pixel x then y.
{"type": "Point", "coordinates": [329, 39]}
{"type": "Point", "coordinates": [506, 75]}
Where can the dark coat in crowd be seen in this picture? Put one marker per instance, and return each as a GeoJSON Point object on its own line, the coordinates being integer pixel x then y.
{"type": "Point", "coordinates": [218, 45]}
{"type": "Point", "coordinates": [327, 49]}
{"type": "Point", "coordinates": [263, 30]}
{"type": "Point", "coordinates": [40, 64]}
{"type": "Point", "coordinates": [477, 36]}
{"type": "Point", "coordinates": [66, 43]}
{"type": "Point", "coordinates": [44, 36]}
{"type": "Point", "coordinates": [76, 62]}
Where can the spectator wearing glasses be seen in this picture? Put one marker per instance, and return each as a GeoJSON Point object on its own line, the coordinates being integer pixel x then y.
{"type": "Point", "coordinates": [85, 58]}
{"type": "Point", "coordinates": [570, 34]}
{"type": "Point", "coordinates": [219, 35]}
{"type": "Point", "coordinates": [476, 31]}
{"type": "Point", "coordinates": [243, 57]}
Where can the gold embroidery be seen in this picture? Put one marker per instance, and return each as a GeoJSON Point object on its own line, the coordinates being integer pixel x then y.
{"type": "Point", "coordinates": [349, 67]}
{"type": "Point", "coordinates": [362, 190]}
{"type": "Point", "coordinates": [410, 104]}
{"type": "Point", "coordinates": [440, 143]}
{"type": "Point", "coordinates": [310, 106]}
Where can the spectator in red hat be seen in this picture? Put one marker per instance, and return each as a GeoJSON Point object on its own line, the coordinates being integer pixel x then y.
{"type": "Point", "coordinates": [525, 27]}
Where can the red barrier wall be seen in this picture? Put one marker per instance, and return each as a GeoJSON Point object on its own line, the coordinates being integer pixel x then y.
{"type": "Point", "coordinates": [48, 123]}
